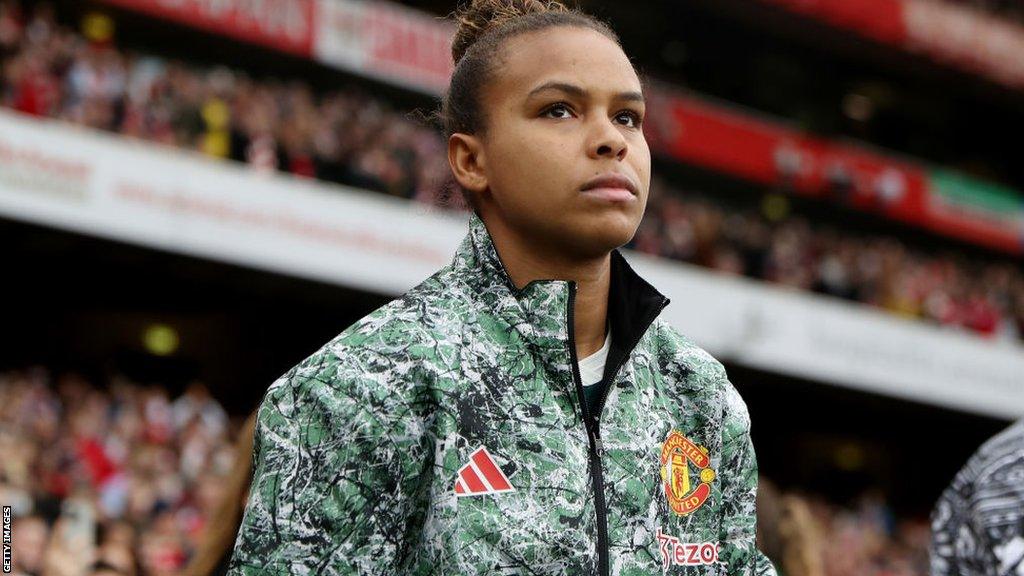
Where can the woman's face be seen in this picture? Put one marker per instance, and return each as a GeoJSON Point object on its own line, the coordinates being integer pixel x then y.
{"type": "Point", "coordinates": [564, 107]}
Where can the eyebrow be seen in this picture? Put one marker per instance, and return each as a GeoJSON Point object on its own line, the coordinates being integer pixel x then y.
{"type": "Point", "coordinates": [578, 92]}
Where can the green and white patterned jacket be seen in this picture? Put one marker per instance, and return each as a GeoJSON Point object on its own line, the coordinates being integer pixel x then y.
{"type": "Point", "coordinates": [445, 433]}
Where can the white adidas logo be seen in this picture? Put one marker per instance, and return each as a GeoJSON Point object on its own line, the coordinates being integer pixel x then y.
{"type": "Point", "coordinates": [481, 476]}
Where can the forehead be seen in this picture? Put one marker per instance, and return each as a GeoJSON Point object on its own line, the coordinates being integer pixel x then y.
{"type": "Point", "coordinates": [574, 55]}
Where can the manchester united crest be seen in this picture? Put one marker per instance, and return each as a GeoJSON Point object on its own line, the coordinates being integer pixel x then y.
{"type": "Point", "coordinates": [686, 473]}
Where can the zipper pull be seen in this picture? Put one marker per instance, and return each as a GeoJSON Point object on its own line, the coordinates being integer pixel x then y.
{"type": "Point", "coordinates": [598, 446]}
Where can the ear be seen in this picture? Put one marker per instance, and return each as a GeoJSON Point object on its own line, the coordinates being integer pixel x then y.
{"type": "Point", "coordinates": [467, 160]}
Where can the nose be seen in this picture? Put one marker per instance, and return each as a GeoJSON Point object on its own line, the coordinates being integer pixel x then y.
{"type": "Point", "coordinates": [607, 141]}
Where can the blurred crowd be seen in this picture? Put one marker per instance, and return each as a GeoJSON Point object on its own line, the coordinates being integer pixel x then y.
{"type": "Point", "coordinates": [805, 535]}
{"type": "Point", "coordinates": [768, 242]}
{"type": "Point", "coordinates": [121, 479]}
{"type": "Point", "coordinates": [346, 136]}
{"type": "Point", "coordinates": [353, 138]}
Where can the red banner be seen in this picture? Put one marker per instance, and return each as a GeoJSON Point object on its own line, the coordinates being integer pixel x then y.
{"type": "Point", "coordinates": [740, 144]}
{"type": "Point", "coordinates": [769, 153]}
{"type": "Point", "coordinates": [881, 20]}
{"type": "Point", "coordinates": [385, 41]}
{"type": "Point", "coordinates": [959, 36]}
{"type": "Point", "coordinates": [285, 25]}
{"type": "Point", "coordinates": [967, 39]}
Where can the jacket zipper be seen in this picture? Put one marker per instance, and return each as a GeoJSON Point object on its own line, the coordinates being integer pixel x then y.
{"type": "Point", "coordinates": [596, 450]}
{"type": "Point", "coordinates": [592, 423]}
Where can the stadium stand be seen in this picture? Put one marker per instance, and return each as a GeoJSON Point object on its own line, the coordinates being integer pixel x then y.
{"type": "Point", "coordinates": [150, 471]}
{"type": "Point", "coordinates": [351, 138]}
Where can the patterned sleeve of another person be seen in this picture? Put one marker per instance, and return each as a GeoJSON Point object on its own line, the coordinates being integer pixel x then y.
{"type": "Point", "coordinates": [978, 522]}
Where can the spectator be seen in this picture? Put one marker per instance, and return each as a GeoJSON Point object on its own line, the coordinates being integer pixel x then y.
{"type": "Point", "coordinates": [29, 535]}
{"type": "Point", "coordinates": [113, 490]}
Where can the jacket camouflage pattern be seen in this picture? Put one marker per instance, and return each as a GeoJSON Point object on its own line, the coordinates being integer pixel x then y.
{"type": "Point", "coordinates": [361, 448]}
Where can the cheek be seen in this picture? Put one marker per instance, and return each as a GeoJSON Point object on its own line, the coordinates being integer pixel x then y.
{"type": "Point", "coordinates": [641, 162]}
{"type": "Point", "coordinates": [642, 157]}
{"type": "Point", "coordinates": [533, 169]}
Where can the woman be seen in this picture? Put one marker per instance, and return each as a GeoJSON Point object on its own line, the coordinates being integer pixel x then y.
{"type": "Point", "coordinates": [455, 430]}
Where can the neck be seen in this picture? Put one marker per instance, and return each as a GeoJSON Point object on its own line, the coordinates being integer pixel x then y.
{"type": "Point", "coordinates": [526, 261]}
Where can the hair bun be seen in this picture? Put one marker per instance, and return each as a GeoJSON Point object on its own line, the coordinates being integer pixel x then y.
{"type": "Point", "coordinates": [479, 16]}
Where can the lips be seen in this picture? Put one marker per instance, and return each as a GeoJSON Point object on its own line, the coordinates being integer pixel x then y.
{"type": "Point", "coordinates": [611, 187]}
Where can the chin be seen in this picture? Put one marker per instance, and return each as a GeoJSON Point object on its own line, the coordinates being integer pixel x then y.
{"type": "Point", "coordinates": [606, 234]}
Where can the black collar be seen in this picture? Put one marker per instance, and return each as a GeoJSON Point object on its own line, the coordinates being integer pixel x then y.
{"type": "Point", "coordinates": [538, 309]}
{"type": "Point", "coordinates": [633, 304]}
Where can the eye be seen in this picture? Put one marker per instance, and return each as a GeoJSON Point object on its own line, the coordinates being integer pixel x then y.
{"type": "Point", "coordinates": [633, 119]}
{"type": "Point", "coordinates": [557, 108]}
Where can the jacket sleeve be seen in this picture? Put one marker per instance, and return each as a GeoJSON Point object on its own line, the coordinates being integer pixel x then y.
{"type": "Point", "coordinates": [331, 489]}
{"type": "Point", "coordinates": [738, 475]}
